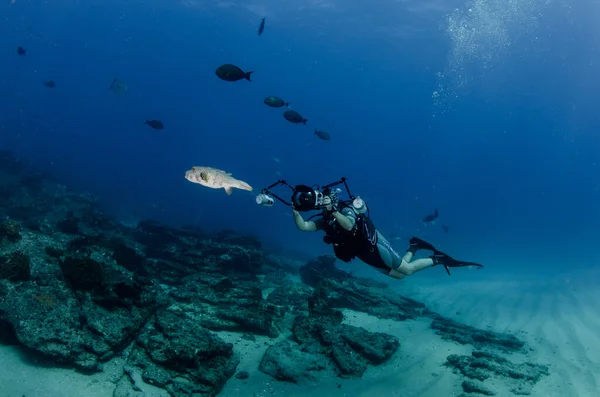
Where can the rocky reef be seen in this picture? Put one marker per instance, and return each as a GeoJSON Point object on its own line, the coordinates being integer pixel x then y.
{"type": "Point", "coordinates": [80, 289]}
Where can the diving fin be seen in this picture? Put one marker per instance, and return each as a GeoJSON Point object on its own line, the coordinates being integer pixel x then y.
{"type": "Point", "coordinates": [439, 258]}
{"type": "Point", "coordinates": [418, 244]}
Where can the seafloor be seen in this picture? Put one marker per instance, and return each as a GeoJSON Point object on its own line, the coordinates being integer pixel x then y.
{"type": "Point", "coordinates": [80, 290]}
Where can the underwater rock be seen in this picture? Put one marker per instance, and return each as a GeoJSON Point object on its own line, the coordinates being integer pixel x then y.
{"type": "Point", "coordinates": [451, 330]}
{"type": "Point", "coordinates": [474, 386]}
{"type": "Point", "coordinates": [323, 342]}
{"type": "Point", "coordinates": [76, 331]}
{"type": "Point", "coordinates": [68, 225]}
{"type": "Point", "coordinates": [85, 325]}
{"type": "Point", "coordinates": [286, 361]}
{"type": "Point", "coordinates": [220, 304]}
{"type": "Point", "coordinates": [295, 295]}
{"type": "Point", "coordinates": [126, 256]}
{"type": "Point", "coordinates": [233, 238]}
{"type": "Point", "coordinates": [350, 348]}
{"type": "Point", "coordinates": [11, 231]}
{"type": "Point", "coordinates": [16, 266]}
{"type": "Point", "coordinates": [369, 297]}
{"type": "Point", "coordinates": [322, 268]}
{"type": "Point", "coordinates": [182, 357]}
{"type": "Point", "coordinates": [82, 272]}
{"type": "Point", "coordinates": [480, 366]}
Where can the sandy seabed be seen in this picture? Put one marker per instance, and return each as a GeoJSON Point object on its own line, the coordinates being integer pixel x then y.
{"type": "Point", "coordinates": [559, 321]}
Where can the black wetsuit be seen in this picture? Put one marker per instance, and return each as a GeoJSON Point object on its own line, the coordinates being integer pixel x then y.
{"type": "Point", "coordinates": [361, 242]}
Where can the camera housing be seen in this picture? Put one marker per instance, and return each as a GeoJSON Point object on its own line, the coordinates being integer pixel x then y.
{"type": "Point", "coordinates": [306, 198]}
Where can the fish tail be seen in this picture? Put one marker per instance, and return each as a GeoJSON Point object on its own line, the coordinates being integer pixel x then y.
{"type": "Point", "coordinates": [247, 75]}
{"type": "Point", "coordinates": [244, 186]}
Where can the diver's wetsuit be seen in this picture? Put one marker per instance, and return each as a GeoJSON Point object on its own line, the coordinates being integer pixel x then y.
{"type": "Point", "coordinates": [363, 241]}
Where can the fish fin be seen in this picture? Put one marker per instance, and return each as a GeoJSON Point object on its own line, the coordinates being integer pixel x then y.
{"type": "Point", "coordinates": [244, 186]}
{"type": "Point", "coordinates": [247, 75]}
{"type": "Point", "coordinates": [304, 121]}
{"type": "Point", "coordinates": [228, 190]}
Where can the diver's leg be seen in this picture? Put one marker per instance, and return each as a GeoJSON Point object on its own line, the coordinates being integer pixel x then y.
{"type": "Point", "coordinates": [408, 268]}
{"type": "Point", "coordinates": [400, 266]}
{"type": "Point", "coordinates": [389, 255]}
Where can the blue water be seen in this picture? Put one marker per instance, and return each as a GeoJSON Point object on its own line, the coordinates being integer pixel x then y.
{"type": "Point", "coordinates": [508, 151]}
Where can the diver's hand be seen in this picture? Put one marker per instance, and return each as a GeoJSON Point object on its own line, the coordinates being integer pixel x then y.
{"type": "Point", "coordinates": [327, 203]}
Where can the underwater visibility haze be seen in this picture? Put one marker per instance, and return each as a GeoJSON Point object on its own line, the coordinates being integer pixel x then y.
{"type": "Point", "coordinates": [471, 124]}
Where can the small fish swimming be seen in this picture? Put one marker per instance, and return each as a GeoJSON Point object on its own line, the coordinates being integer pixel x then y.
{"type": "Point", "coordinates": [431, 217]}
{"type": "Point", "coordinates": [118, 86]}
{"type": "Point", "coordinates": [275, 102]}
{"type": "Point", "coordinates": [230, 72]}
{"type": "Point", "coordinates": [21, 51]}
{"type": "Point", "coordinates": [446, 229]}
{"type": "Point", "coordinates": [323, 135]}
{"type": "Point", "coordinates": [261, 28]}
{"type": "Point", "coordinates": [294, 117]}
{"type": "Point", "coordinates": [50, 84]}
{"type": "Point", "coordinates": [156, 124]}
{"type": "Point", "coordinates": [215, 179]}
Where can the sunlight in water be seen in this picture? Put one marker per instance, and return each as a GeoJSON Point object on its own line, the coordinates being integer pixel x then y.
{"type": "Point", "coordinates": [481, 34]}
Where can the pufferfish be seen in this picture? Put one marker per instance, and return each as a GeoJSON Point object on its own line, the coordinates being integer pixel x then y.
{"type": "Point", "coordinates": [215, 179]}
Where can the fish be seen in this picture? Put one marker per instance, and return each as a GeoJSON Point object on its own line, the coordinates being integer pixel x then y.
{"type": "Point", "coordinates": [118, 86]}
{"type": "Point", "coordinates": [50, 84]}
{"type": "Point", "coordinates": [230, 72]}
{"type": "Point", "coordinates": [446, 229]}
{"type": "Point", "coordinates": [294, 117]}
{"type": "Point", "coordinates": [261, 28]}
{"type": "Point", "coordinates": [431, 217]}
{"type": "Point", "coordinates": [21, 51]}
{"type": "Point", "coordinates": [156, 124]}
{"type": "Point", "coordinates": [275, 102]}
{"type": "Point", "coordinates": [216, 179]}
{"type": "Point", "coordinates": [323, 135]}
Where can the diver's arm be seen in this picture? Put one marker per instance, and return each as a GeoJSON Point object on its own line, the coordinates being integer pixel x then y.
{"type": "Point", "coordinates": [305, 226]}
{"type": "Point", "coordinates": [344, 221]}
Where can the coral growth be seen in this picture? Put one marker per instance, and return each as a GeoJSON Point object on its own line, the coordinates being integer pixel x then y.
{"type": "Point", "coordinates": [10, 230]}
{"type": "Point", "coordinates": [15, 266]}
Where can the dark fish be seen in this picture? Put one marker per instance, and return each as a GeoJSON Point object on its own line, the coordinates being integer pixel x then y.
{"type": "Point", "coordinates": [261, 28]}
{"type": "Point", "coordinates": [294, 117]}
{"type": "Point", "coordinates": [230, 72]}
{"type": "Point", "coordinates": [431, 217]}
{"type": "Point", "coordinates": [323, 135]}
{"type": "Point", "coordinates": [275, 102]}
{"type": "Point", "coordinates": [118, 86]}
{"type": "Point", "coordinates": [21, 51]}
{"type": "Point", "coordinates": [445, 228]}
{"type": "Point", "coordinates": [156, 124]}
{"type": "Point", "coordinates": [50, 84]}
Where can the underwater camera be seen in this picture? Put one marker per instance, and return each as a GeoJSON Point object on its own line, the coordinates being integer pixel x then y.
{"type": "Point", "coordinates": [305, 198]}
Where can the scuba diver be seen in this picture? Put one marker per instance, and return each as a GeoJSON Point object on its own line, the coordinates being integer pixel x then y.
{"type": "Point", "coordinates": [349, 229]}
